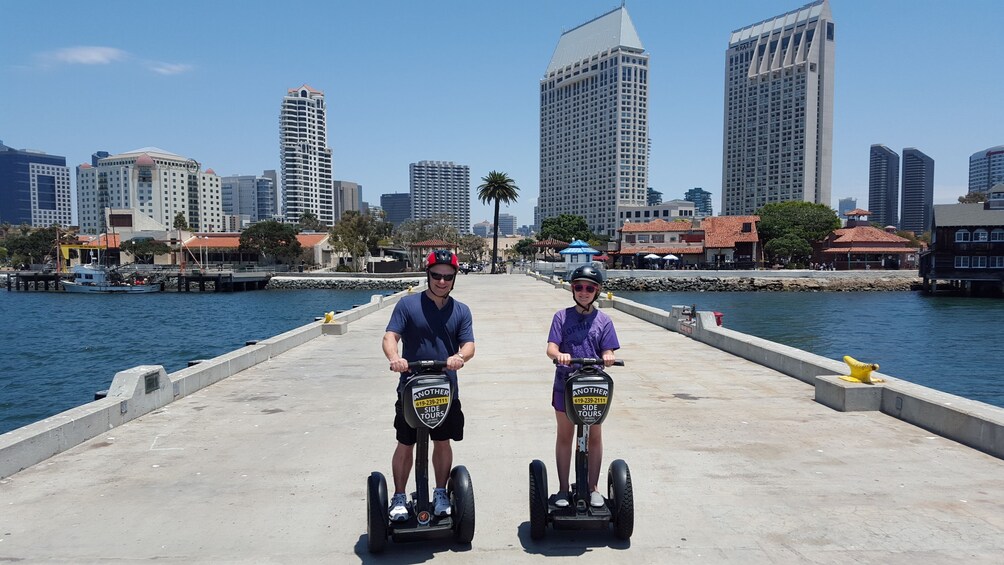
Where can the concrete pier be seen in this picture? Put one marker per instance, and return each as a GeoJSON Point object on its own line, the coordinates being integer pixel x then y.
{"type": "Point", "coordinates": [732, 461]}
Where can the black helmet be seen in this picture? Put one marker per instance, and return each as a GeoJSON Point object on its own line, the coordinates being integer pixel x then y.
{"type": "Point", "coordinates": [587, 272]}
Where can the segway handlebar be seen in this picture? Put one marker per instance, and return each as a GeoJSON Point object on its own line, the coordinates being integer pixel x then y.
{"type": "Point", "coordinates": [426, 365]}
{"type": "Point", "coordinates": [585, 361]}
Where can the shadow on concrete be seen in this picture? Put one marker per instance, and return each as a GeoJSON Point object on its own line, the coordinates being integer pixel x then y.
{"type": "Point", "coordinates": [562, 543]}
{"type": "Point", "coordinates": [411, 552]}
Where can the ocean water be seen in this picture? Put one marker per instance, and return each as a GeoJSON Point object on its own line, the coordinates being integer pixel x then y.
{"type": "Point", "coordinates": [58, 349]}
{"type": "Point", "coordinates": [951, 344]}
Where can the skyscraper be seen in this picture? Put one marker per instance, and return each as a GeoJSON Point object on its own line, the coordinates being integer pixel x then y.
{"type": "Point", "coordinates": [305, 156]}
{"type": "Point", "coordinates": [34, 188]}
{"type": "Point", "coordinates": [883, 185]}
{"type": "Point", "coordinates": [918, 191]}
{"type": "Point", "coordinates": [594, 123]}
{"type": "Point", "coordinates": [155, 182]}
{"type": "Point", "coordinates": [248, 195]}
{"type": "Point", "coordinates": [507, 224]}
{"type": "Point", "coordinates": [702, 202]}
{"type": "Point", "coordinates": [778, 130]}
{"type": "Point", "coordinates": [348, 196]}
{"type": "Point", "coordinates": [397, 206]}
{"type": "Point", "coordinates": [441, 187]}
{"type": "Point", "coordinates": [845, 205]}
{"type": "Point", "coordinates": [986, 168]}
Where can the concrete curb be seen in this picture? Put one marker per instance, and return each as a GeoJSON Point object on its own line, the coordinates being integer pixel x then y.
{"type": "Point", "coordinates": [140, 390]}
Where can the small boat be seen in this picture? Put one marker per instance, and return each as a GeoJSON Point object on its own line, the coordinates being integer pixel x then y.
{"type": "Point", "coordinates": [96, 278]}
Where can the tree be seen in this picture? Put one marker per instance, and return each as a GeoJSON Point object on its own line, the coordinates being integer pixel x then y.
{"type": "Point", "coordinates": [472, 246]}
{"type": "Point", "coordinates": [309, 222]}
{"type": "Point", "coordinates": [34, 246]}
{"type": "Point", "coordinates": [811, 222]}
{"type": "Point", "coordinates": [788, 248]}
{"type": "Point", "coordinates": [497, 187]}
{"type": "Point", "coordinates": [180, 223]}
{"type": "Point", "coordinates": [271, 239]}
{"type": "Point", "coordinates": [973, 198]}
{"type": "Point", "coordinates": [565, 227]}
{"type": "Point", "coordinates": [144, 249]}
{"type": "Point", "coordinates": [357, 234]}
{"type": "Point", "coordinates": [439, 226]}
{"type": "Point", "coordinates": [524, 248]}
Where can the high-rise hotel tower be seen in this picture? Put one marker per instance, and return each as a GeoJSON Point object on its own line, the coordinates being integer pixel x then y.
{"type": "Point", "coordinates": [305, 156]}
{"type": "Point", "coordinates": [594, 123]}
{"type": "Point", "coordinates": [778, 131]}
{"type": "Point", "coordinates": [441, 188]}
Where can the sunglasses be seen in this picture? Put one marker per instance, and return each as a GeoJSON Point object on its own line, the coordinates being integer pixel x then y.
{"type": "Point", "coordinates": [442, 277]}
{"type": "Point", "coordinates": [584, 287]}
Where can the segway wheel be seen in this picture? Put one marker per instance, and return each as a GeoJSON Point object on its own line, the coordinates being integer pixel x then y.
{"type": "Point", "coordinates": [377, 517]}
{"type": "Point", "coordinates": [461, 492]}
{"type": "Point", "coordinates": [538, 499]}
{"type": "Point", "coordinates": [621, 496]}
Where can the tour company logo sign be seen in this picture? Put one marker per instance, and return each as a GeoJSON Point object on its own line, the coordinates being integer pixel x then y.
{"type": "Point", "coordinates": [589, 400]}
{"type": "Point", "coordinates": [431, 403]}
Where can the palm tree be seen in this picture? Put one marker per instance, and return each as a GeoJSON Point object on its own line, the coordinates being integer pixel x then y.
{"type": "Point", "coordinates": [497, 187]}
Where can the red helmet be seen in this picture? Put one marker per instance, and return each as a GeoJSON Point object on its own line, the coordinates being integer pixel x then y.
{"type": "Point", "coordinates": [442, 257]}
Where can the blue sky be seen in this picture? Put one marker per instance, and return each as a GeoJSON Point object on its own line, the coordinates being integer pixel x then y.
{"type": "Point", "coordinates": [457, 80]}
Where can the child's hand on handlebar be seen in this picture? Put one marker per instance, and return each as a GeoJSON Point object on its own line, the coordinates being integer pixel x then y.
{"type": "Point", "coordinates": [608, 358]}
{"type": "Point", "coordinates": [563, 359]}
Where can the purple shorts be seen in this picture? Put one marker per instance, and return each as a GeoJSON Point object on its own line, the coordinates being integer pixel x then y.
{"type": "Point", "coordinates": [558, 399]}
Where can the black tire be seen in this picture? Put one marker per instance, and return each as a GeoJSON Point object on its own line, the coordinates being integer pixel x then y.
{"type": "Point", "coordinates": [377, 517]}
{"type": "Point", "coordinates": [461, 492]}
{"type": "Point", "coordinates": [621, 498]}
{"type": "Point", "coordinates": [538, 499]}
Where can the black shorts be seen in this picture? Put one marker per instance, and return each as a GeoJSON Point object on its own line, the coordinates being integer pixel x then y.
{"type": "Point", "coordinates": [451, 428]}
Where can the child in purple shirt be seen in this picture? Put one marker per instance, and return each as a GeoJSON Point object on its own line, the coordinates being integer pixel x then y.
{"type": "Point", "coordinates": [579, 331]}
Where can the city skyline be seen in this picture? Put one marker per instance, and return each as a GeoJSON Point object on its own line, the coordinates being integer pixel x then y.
{"type": "Point", "coordinates": [482, 111]}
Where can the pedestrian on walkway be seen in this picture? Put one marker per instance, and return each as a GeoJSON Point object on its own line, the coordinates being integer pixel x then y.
{"type": "Point", "coordinates": [579, 331]}
{"type": "Point", "coordinates": [430, 326]}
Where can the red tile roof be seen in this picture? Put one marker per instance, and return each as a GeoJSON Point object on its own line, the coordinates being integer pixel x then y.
{"type": "Point", "coordinates": [857, 212]}
{"type": "Point", "coordinates": [726, 231]}
{"type": "Point", "coordinates": [555, 243]}
{"type": "Point", "coordinates": [658, 225]}
{"type": "Point", "coordinates": [860, 234]}
{"type": "Point", "coordinates": [634, 250]}
{"type": "Point", "coordinates": [233, 240]}
{"type": "Point", "coordinates": [434, 243]}
{"type": "Point", "coordinates": [865, 249]}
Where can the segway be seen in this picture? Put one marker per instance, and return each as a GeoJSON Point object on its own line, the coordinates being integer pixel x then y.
{"type": "Point", "coordinates": [425, 401]}
{"type": "Point", "coordinates": [588, 395]}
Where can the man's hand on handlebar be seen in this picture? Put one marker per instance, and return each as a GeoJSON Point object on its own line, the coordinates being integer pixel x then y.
{"type": "Point", "coordinates": [399, 365]}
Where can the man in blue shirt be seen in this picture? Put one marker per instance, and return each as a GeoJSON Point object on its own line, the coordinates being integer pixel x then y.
{"type": "Point", "coordinates": [431, 326]}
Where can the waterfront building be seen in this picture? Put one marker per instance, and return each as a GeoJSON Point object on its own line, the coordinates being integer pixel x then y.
{"type": "Point", "coordinates": [846, 205]}
{"type": "Point", "coordinates": [248, 195]}
{"type": "Point", "coordinates": [702, 202]}
{"type": "Point", "coordinates": [34, 188]}
{"type": "Point", "coordinates": [397, 207]}
{"type": "Point", "coordinates": [348, 197]}
{"type": "Point", "coordinates": [441, 188]}
{"type": "Point", "coordinates": [778, 129]}
{"type": "Point", "coordinates": [275, 197]}
{"type": "Point", "coordinates": [594, 123]}
{"type": "Point", "coordinates": [860, 245]}
{"type": "Point", "coordinates": [918, 191]}
{"type": "Point", "coordinates": [732, 242]}
{"type": "Point", "coordinates": [507, 224]}
{"type": "Point", "coordinates": [672, 210]}
{"type": "Point", "coordinates": [305, 156]}
{"type": "Point", "coordinates": [156, 183]}
{"type": "Point", "coordinates": [967, 245]}
{"type": "Point", "coordinates": [654, 197]}
{"type": "Point", "coordinates": [883, 185]}
{"type": "Point", "coordinates": [482, 229]}
{"type": "Point", "coordinates": [986, 169]}
{"type": "Point", "coordinates": [648, 243]}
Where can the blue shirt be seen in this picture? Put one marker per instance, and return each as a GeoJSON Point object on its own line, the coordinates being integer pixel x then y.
{"type": "Point", "coordinates": [430, 333]}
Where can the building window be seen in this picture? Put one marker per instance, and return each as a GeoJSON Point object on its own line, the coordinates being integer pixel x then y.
{"type": "Point", "coordinates": [980, 235]}
{"type": "Point", "coordinates": [961, 262]}
{"type": "Point", "coordinates": [979, 262]}
{"type": "Point", "coordinates": [997, 262]}
{"type": "Point", "coordinates": [997, 235]}
{"type": "Point", "coordinates": [961, 235]}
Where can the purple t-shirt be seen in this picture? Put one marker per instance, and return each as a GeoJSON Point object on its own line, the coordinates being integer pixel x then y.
{"type": "Point", "coordinates": [580, 336]}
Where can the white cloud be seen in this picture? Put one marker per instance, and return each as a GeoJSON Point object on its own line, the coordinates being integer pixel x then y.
{"type": "Point", "coordinates": [168, 68]}
{"type": "Point", "coordinates": [86, 55]}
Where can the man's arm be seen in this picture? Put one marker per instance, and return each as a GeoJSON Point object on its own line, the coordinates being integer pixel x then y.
{"type": "Point", "coordinates": [463, 355]}
{"type": "Point", "coordinates": [397, 363]}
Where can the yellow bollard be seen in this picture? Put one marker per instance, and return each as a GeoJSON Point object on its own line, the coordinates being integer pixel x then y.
{"type": "Point", "coordinates": [861, 372]}
{"type": "Point", "coordinates": [329, 316]}
{"type": "Point", "coordinates": [610, 295]}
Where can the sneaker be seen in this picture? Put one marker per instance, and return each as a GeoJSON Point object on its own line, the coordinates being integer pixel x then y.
{"type": "Point", "coordinates": [399, 507]}
{"type": "Point", "coordinates": [560, 500]}
{"type": "Point", "coordinates": [441, 502]}
{"type": "Point", "coordinates": [596, 499]}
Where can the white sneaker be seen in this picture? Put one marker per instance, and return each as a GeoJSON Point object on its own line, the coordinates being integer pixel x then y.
{"type": "Point", "coordinates": [560, 500]}
{"type": "Point", "coordinates": [596, 499]}
{"type": "Point", "coordinates": [441, 502]}
{"type": "Point", "coordinates": [399, 507]}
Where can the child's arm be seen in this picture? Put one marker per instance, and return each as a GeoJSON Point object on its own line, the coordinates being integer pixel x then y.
{"type": "Point", "coordinates": [553, 353]}
{"type": "Point", "coordinates": [608, 357]}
